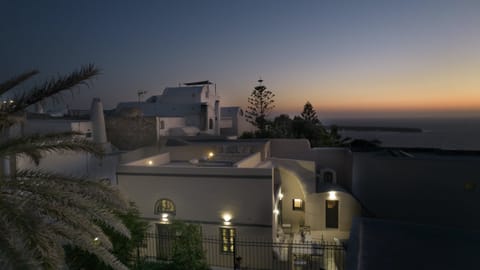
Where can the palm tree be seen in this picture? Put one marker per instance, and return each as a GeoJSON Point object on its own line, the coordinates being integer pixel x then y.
{"type": "Point", "coordinates": [41, 212]}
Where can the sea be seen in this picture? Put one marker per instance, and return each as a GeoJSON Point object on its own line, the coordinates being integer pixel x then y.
{"type": "Point", "coordinates": [445, 133]}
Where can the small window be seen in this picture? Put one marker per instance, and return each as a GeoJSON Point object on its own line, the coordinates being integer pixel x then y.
{"type": "Point", "coordinates": [298, 205]}
{"type": "Point", "coordinates": [88, 135]}
{"type": "Point", "coordinates": [228, 240]}
{"type": "Point", "coordinates": [328, 177]}
{"type": "Point", "coordinates": [241, 112]}
{"type": "Point", "coordinates": [162, 124]}
{"type": "Point", "coordinates": [210, 123]}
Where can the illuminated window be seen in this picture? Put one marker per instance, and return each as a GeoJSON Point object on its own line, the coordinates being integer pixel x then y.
{"type": "Point", "coordinates": [164, 206]}
{"type": "Point", "coordinates": [298, 205]}
{"type": "Point", "coordinates": [228, 240]}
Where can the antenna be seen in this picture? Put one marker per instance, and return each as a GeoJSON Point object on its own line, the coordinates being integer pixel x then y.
{"type": "Point", "coordinates": [260, 80]}
{"type": "Point", "coordinates": [140, 94]}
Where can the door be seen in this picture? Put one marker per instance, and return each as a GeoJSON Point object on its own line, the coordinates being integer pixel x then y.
{"type": "Point", "coordinates": [331, 214]}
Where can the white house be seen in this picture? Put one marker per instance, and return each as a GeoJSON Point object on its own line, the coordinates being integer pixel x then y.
{"type": "Point", "coordinates": [288, 191]}
{"type": "Point", "coordinates": [197, 103]}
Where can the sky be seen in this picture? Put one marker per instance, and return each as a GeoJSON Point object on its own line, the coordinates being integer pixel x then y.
{"type": "Point", "coordinates": [348, 58]}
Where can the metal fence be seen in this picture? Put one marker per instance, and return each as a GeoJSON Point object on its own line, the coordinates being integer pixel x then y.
{"type": "Point", "coordinates": [251, 254]}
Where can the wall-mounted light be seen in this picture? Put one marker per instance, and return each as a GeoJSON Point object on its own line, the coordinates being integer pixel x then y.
{"type": "Point", "coordinates": [227, 217]}
{"type": "Point", "coordinates": [280, 195]}
{"type": "Point", "coordinates": [276, 211]}
{"type": "Point", "coordinates": [332, 195]}
{"type": "Point", "coordinates": [96, 241]}
{"type": "Point", "coordinates": [165, 218]}
{"type": "Point", "coordinates": [210, 155]}
{"type": "Point", "coordinates": [150, 162]}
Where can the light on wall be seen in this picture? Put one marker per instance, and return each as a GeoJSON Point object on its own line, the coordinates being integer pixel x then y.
{"type": "Point", "coordinates": [275, 211]}
{"type": "Point", "coordinates": [227, 217]}
{"type": "Point", "coordinates": [280, 195]}
{"type": "Point", "coordinates": [164, 218]}
{"type": "Point", "coordinates": [332, 195]}
{"type": "Point", "coordinates": [210, 155]}
{"type": "Point", "coordinates": [150, 162]}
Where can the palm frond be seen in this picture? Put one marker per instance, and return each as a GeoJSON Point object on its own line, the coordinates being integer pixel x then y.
{"type": "Point", "coordinates": [52, 87]}
{"type": "Point", "coordinates": [35, 146]}
{"type": "Point", "coordinates": [68, 213]}
{"type": "Point", "coordinates": [12, 82]}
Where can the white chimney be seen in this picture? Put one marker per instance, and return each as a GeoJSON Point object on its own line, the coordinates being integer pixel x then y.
{"type": "Point", "coordinates": [98, 122]}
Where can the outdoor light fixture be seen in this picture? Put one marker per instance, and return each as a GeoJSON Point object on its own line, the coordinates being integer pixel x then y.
{"type": "Point", "coordinates": [227, 217]}
{"type": "Point", "coordinates": [275, 211]}
{"type": "Point", "coordinates": [280, 195]}
{"type": "Point", "coordinates": [332, 195]}
{"type": "Point", "coordinates": [96, 241]}
{"type": "Point", "coordinates": [164, 218]}
{"type": "Point", "coordinates": [210, 155]}
{"type": "Point", "coordinates": [150, 162]}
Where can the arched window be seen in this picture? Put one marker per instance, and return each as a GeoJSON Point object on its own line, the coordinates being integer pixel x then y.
{"type": "Point", "coordinates": [210, 123]}
{"type": "Point", "coordinates": [164, 206]}
{"type": "Point", "coordinates": [329, 176]}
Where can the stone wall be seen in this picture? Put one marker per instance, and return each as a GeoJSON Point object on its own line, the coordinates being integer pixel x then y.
{"type": "Point", "coordinates": [128, 133]}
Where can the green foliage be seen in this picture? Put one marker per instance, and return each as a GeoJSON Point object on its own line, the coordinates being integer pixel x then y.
{"type": "Point", "coordinates": [282, 127]}
{"type": "Point", "coordinates": [40, 211]}
{"type": "Point", "coordinates": [188, 253]}
{"type": "Point", "coordinates": [261, 103]}
{"type": "Point", "coordinates": [123, 248]}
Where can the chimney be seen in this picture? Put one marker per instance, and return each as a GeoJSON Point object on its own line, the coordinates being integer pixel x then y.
{"type": "Point", "coordinates": [98, 122]}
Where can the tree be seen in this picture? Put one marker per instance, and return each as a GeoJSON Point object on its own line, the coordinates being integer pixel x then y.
{"type": "Point", "coordinates": [309, 114]}
{"type": "Point", "coordinates": [123, 247]}
{"type": "Point", "coordinates": [260, 105]}
{"type": "Point", "coordinates": [41, 212]}
{"type": "Point", "coordinates": [282, 126]}
{"type": "Point", "coordinates": [188, 253]}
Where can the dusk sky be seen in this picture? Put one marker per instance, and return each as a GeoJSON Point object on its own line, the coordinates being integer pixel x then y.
{"type": "Point", "coordinates": [348, 58]}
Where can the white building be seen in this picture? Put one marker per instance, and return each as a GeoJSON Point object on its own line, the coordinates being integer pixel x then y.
{"type": "Point", "coordinates": [288, 191]}
{"type": "Point", "coordinates": [233, 122]}
{"type": "Point", "coordinates": [197, 103]}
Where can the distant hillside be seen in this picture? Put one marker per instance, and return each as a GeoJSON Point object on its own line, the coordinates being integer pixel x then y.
{"type": "Point", "coordinates": [382, 129]}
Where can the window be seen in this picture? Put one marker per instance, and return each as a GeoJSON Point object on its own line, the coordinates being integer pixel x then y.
{"type": "Point", "coordinates": [210, 123]}
{"type": "Point", "coordinates": [228, 240]}
{"type": "Point", "coordinates": [162, 124]}
{"type": "Point", "coordinates": [164, 206]}
{"type": "Point", "coordinates": [298, 205]}
{"type": "Point", "coordinates": [328, 177]}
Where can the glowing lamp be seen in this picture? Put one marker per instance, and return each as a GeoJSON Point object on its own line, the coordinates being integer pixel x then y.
{"type": "Point", "coordinates": [332, 195]}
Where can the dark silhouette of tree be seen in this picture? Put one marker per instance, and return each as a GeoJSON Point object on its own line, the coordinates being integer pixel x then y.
{"type": "Point", "coordinates": [309, 114]}
{"type": "Point", "coordinates": [333, 138]}
{"type": "Point", "coordinates": [260, 105]}
{"type": "Point", "coordinates": [282, 127]}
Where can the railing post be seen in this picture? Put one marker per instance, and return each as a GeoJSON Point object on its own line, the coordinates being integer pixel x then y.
{"type": "Point", "coordinates": [234, 252]}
